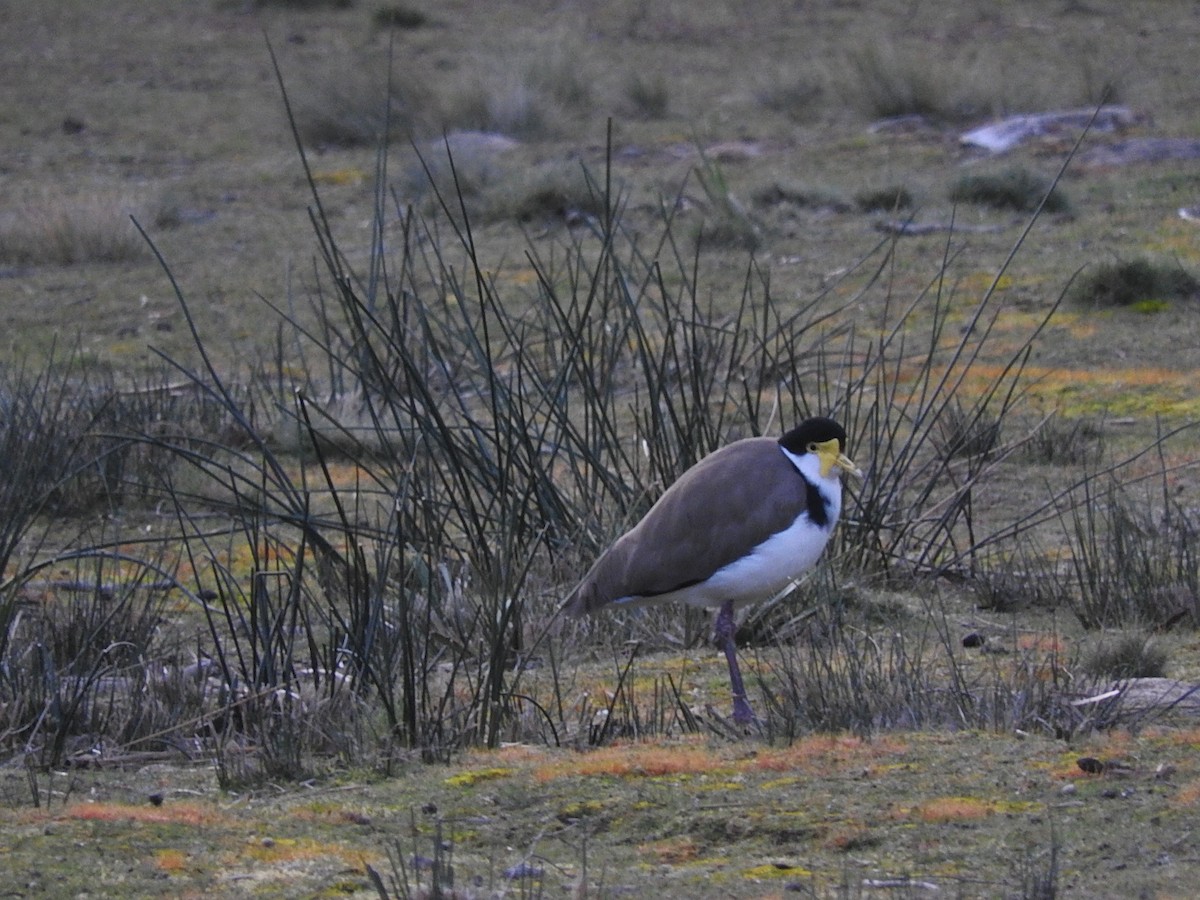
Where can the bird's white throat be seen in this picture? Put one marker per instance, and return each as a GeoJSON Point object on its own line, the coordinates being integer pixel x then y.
{"type": "Point", "coordinates": [830, 487]}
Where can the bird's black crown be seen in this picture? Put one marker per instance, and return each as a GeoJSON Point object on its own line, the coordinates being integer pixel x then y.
{"type": "Point", "coordinates": [815, 430]}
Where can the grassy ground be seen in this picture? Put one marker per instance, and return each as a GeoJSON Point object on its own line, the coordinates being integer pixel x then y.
{"type": "Point", "coordinates": [753, 128]}
{"type": "Point", "coordinates": [114, 106]}
{"type": "Point", "coordinates": [975, 815]}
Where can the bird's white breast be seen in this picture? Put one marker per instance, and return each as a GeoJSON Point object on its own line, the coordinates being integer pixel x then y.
{"type": "Point", "coordinates": [771, 569]}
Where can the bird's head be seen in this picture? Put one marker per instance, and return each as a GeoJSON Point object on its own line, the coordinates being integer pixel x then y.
{"type": "Point", "coordinates": [825, 438]}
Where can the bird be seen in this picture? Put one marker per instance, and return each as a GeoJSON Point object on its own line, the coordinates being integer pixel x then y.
{"type": "Point", "coordinates": [741, 525]}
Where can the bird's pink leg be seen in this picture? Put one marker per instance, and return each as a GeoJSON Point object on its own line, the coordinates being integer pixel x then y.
{"type": "Point", "coordinates": [723, 632]}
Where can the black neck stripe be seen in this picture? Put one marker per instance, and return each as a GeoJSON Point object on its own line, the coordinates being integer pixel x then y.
{"type": "Point", "coordinates": [818, 505]}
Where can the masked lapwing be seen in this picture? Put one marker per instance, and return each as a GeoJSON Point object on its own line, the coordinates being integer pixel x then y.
{"type": "Point", "coordinates": [742, 525]}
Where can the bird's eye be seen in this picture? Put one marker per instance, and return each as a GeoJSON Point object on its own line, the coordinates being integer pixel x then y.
{"type": "Point", "coordinates": [812, 447]}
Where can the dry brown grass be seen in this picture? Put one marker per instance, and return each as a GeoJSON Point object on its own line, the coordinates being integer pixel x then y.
{"type": "Point", "coordinates": [57, 228]}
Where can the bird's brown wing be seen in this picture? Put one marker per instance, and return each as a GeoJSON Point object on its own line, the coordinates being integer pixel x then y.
{"type": "Point", "coordinates": [730, 501]}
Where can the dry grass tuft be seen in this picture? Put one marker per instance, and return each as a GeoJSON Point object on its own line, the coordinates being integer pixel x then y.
{"type": "Point", "coordinates": [507, 106]}
{"type": "Point", "coordinates": [891, 198]}
{"type": "Point", "coordinates": [1062, 441]}
{"type": "Point", "coordinates": [1127, 656]}
{"type": "Point", "coordinates": [400, 16]}
{"type": "Point", "coordinates": [533, 101]}
{"type": "Point", "coordinates": [1013, 189]}
{"type": "Point", "coordinates": [57, 228]}
{"type": "Point", "coordinates": [648, 96]}
{"type": "Point", "coordinates": [967, 432]}
{"type": "Point", "coordinates": [797, 92]}
{"type": "Point", "coordinates": [345, 103]}
{"type": "Point", "coordinates": [1141, 283]}
{"type": "Point", "coordinates": [553, 191]}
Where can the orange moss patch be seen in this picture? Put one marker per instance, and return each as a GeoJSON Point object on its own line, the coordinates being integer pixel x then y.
{"type": "Point", "coordinates": [242, 559]}
{"type": "Point", "coordinates": [1068, 770]}
{"type": "Point", "coordinates": [279, 850]}
{"type": "Point", "coordinates": [851, 837]}
{"type": "Point", "coordinates": [332, 814]}
{"type": "Point", "coordinates": [1117, 743]}
{"type": "Point", "coordinates": [171, 860]}
{"type": "Point", "coordinates": [640, 760]}
{"type": "Point", "coordinates": [819, 753]}
{"type": "Point", "coordinates": [524, 276]}
{"type": "Point", "coordinates": [954, 809]}
{"type": "Point", "coordinates": [1186, 737]}
{"type": "Point", "coordinates": [116, 571]}
{"type": "Point", "coordinates": [340, 177]}
{"type": "Point", "coordinates": [822, 752]}
{"type": "Point", "coordinates": [1042, 642]}
{"type": "Point", "coordinates": [672, 851]}
{"type": "Point", "coordinates": [173, 814]}
{"type": "Point", "coordinates": [1187, 796]}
